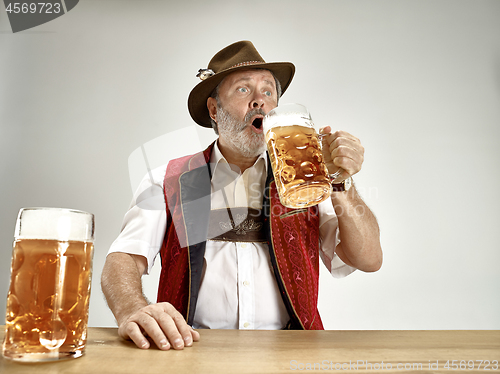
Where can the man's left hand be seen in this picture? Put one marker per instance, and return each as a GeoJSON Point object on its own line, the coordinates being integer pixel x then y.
{"type": "Point", "coordinates": [342, 150]}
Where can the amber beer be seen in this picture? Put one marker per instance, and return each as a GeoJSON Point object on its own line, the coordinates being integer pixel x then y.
{"type": "Point", "coordinates": [48, 298]}
{"type": "Point", "coordinates": [294, 148]}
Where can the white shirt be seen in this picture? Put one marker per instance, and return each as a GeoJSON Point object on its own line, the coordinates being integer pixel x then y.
{"type": "Point", "coordinates": [238, 289]}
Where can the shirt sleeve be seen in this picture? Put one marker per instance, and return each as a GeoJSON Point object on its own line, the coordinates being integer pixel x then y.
{"type": "Point", "coordinates": [144, 224]}
{"type": "Point", "coordinates": [329, 239]}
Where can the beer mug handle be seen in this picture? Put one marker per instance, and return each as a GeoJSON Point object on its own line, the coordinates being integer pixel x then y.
{"type": "Point", "coordinates": [337, 174]}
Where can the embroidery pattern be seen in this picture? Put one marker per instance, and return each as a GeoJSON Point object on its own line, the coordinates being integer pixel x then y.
{"type": "Point", "coordinates": [245, 225]}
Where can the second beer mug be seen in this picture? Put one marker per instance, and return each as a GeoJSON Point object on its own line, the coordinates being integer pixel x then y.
{"type": "Point", "coordinates": [48, 299]}
{"type": "Point", "coordinates": [294, 148]}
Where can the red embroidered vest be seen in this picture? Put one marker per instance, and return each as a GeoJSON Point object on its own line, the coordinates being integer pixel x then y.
{"type": "Point", "coordinates": [292, 235]}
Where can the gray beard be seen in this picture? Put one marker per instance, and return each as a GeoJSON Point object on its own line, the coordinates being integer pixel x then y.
{"type": "Point", "coordinates": [231, 129]}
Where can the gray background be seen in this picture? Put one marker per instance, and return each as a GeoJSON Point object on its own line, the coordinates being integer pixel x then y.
{"type": "Point", "coordinates": [417, 81]}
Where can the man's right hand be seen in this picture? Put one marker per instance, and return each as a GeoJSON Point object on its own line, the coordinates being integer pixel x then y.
{"type": "Point", "coordinates": [162, 323]}
{"type": "Point", "coordinates": [122, 287]}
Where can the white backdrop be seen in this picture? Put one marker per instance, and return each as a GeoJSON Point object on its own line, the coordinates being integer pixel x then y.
{"type": "Point", "coordinates": [417, 81]}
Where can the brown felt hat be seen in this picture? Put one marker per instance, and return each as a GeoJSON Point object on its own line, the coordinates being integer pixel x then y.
{"type": "Point", "coordinates": [237, 56]}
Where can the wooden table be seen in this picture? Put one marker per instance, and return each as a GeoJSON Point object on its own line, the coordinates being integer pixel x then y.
{"type": "Point", "coordinates": [234, 351]}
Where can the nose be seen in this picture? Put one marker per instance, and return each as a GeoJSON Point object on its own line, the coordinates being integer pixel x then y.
{"type": "Point", "coordinates": [257, 101]}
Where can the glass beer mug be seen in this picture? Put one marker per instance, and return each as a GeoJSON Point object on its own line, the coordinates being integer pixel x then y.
{"type": "Point", "coordinates": [48, 298]}
{"type": "Point", "coordinates": [294, 147]}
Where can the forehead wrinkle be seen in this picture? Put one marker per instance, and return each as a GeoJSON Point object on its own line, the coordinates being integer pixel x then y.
{"type": "Point", "coordinates": [271, 83]}
{"type": "Point", "coordinates": [251, 77]}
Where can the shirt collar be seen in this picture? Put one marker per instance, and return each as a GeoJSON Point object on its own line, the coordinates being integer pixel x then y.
{"type": "Point", "coordinates": [217, 157]}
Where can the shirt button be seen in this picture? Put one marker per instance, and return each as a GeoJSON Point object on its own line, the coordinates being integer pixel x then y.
{"type": "Point", "coordinates": [246, 283]}
{"type": "Point", "coordinates": [246, 324]}
{"type": "Point", "coordinates": [243, 245]}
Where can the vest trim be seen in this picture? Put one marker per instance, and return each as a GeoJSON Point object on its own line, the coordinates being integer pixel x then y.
{"type": "Point", "coordinates": [290, 306]}
{"type": "Point", "coordinates": [187, 242]}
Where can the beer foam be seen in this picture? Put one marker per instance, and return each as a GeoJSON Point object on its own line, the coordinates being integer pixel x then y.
{"type": "Point", "coordinates": [286, 119]}
{"type": "Point", "coordinates": [54, 224]}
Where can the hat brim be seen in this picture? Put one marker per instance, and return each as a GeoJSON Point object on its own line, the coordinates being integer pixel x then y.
{"type": "Point", "coordinates": [197, 101]}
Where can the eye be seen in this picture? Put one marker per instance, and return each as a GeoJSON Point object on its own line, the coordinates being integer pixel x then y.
{"type": "Point", "coordinates": [243, 89]}
{"type": "Point", "coordinates": [268, 93]}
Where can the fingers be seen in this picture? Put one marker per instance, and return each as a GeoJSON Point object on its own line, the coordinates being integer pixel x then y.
{"type": "Point", "coordinates": [345, 151]}
{"type": "Point", "coordinates": [195, 334]}
{"type": "Point", "coordinates": [325, 130]}
{"type": "Point", "coordinates": [173, 327]}
{"type": "Point", "coordinates": [163, 324]}
{"type": "Point", "coordinates": [130, 330]}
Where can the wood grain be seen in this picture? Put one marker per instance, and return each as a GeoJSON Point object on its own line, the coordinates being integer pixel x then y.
{"type": "Point", "coordinates": [235, 351]}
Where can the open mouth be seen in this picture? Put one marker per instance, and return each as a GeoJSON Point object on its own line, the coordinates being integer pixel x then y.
{"type": "Point", "coordinates": [257, 123]}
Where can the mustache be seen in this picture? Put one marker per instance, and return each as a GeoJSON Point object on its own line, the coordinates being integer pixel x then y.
{"type": "Point", "coordinates": [252, 113]}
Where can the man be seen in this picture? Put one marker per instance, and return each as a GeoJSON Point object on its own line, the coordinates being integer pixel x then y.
{"type": "Point", "coordinates": [261, 271]}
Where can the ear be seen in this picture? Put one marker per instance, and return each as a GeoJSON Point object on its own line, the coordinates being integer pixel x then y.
{"type": "Point", "coordinates": [212, 107]}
